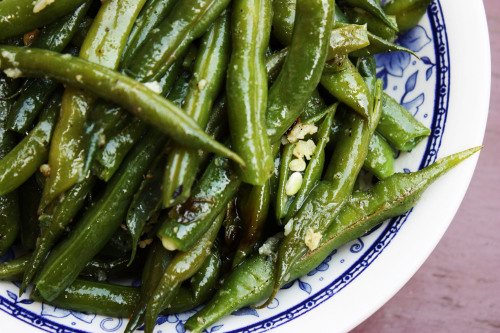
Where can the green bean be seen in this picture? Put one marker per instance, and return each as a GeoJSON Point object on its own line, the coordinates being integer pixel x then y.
{"type": "Point", "coordinates": [282, 200]}
{"type": "Point", "coordinates": [233, 226]}
{"type": "Point", "coordinates": [216, 127]}
{"type": "Point", "coordinates": [20, 16]}
{"type": "Point", "coordinates": [103, 45]}
{"type": "Point", "coordinates": [254, 215]}
{"type": "Point", "coordinates": [274, 63]}
{"type": "Point", "coordinates": [205, 84]}
{"type": "Point", "coordinates": [373, 7]}
{"type": "Point", "coordinates": [343, 40]}
{"type": "Point", "coordinates": [379, 45]}
{"type": "Point", "coordinates": [99, 222]}
{"type": "Point", "coordinates": [57, 221]}
{"type": "Point", "coordinates": [408, 12]}
{"type": "Point", "coordinates": [81, 33]}
{"type": "Point", "coordinates": [31, 101]}
{"type": "Point", "coordinates": [246, 88]}
{"type": "Point", "coordinates": [146, 202]}
{"type": "Point", "coordinates": [283, 20]}
{"type": "Point", "coordinates": [348, 86]}
{"type": "Point", "coordinates": [29, 154]}
{"type": "Point", "coordinates": [9, 205]}
{"type": "Point", "coordinates": [380, 158]}
{"type": "Point", "coordinates": [315, 166]}
{"type": "Point", "coordinates": [109, 158]}
{"type": "Point", "coordinates": [13, 270]}
{"type": "Point", "coordinates": [101, 269]}
{"type": "Point", "coordinates": [29, 227]}
{"type": "Point", "coordinates": [374, 24]}
{"type": "Point", "coordinates": [91, 297]}
{"type": "Point", "coordinates": [329, 196]}
{"type": "Point", "coordinates": [251, 282]}
{"type": "Point", "coordinates": [115, 87]}
{"type": "Point", "coordinates": [156, 262]}
{"type": "Point", "coordinates": [315, 107]}
{"type": "Point", "coordinates": [115, 132]}
{"type": "Point", "coordinates": [111, 300]}
{"type": "Point", "coordinates": [151, 15]}
{"type": "Point", "coordinates": [104, 121]}
{"type": "Point", "coordinates": [37, 92]}
{"type": "Point", "coordinates": [187, 21]}
{"type": "Point", "coordinates": [399, 127]}
{"type": "Point", "coordinates": [203, 283]}
{"type": "Point", "coordinates": [187, 222]}
{"type": "Point", "coordinates": [183, 266]}
{"type": "Point", "coordinates": [347, 39]}
{"type": "Point", "coordinates": [388, 198]}
{"type": "Point", "coordinates": [303, 65]}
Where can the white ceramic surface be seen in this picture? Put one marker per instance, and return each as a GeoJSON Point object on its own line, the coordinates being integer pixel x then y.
{"type": "Point", "coordinates": [359, 278]}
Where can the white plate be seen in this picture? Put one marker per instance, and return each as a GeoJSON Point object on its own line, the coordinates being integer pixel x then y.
{"type": "Point", "coordinates": [448, 91]}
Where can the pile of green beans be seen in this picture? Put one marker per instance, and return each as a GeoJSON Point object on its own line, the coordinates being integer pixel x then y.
{"type": "Point", "coordinates": [211, 149]}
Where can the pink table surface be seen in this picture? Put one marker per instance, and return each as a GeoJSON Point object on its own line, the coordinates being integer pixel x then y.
{"type": "Point", "coordinates": [458, 287]}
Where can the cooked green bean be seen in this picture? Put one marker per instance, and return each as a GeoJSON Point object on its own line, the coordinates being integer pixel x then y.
{"type": "Point", "coordinates": [152, 14]}
{"type": "Point", "coordinates": [408, 12]}
{"type": "Point", "coordinates": [20, 16]}
{"type": "Point", "coordinates": [146, 202]}
{"type": "Point", "coordinates": [56, 222]}
{"type": "Point", "coordinates": [315, 166]}
{"type": "Point", "coordinates": [103, 45]}
{"type": "Point", "coordinates": [118, 88]}
{"type": "Point", "coordinates": [98, 223]}
{"type": "Point", "coordinates": [111, 134]}
{"type": "Point", "coordinates": [251, 282]}
{"type": "Point", "coordinates": [54, 37]}
{"type": "Point", "coordinates": [87, 296]}
{"type": "Point", "coordinates": [156, 262]}
{"type": "Point", "coordinates": [329, 196]}
{"type": "Point", "coordinates": [380, 158]}
{"type": "Point", "coordinates": [29, 154]}
{"type": "Point", "coordinates": [303, 66]}
{"type": "Point", "coordinates": [348, 86]}
{"type": "Point", "coordinates": [282, 200]}
{"type": "Point", "coordinates": [246, 88]}
{"type": "Point", "coordinates": [188, 20]}
{"type": "Point", "coordinates": [204, 86]}
{"type": "Point", "coordinates": [343, 39]}
{"type": "Point", "coordinates": [183, 266]}
{"type": "Point", "coordinates": [373, 7]}
{"type": "Point", "coordinates": [186, 223]}
{"type": "Point", "coordinates": [9, 205]}
{"type": "Point", "coordinates": [13, 270]}
{"type": "Point", "coordinates": [254, 215]}
{"type": "Point", "coordinates": [373, 24]}
{"type": "Point", "coordinates": [399, 127]}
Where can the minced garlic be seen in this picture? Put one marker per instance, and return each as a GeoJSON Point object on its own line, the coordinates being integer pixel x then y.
{"type": "Point", "coordinates": [154, 86]}
{"type": "Point", "coordinates": [297, 164]}
{"type": "Point", "coordinates": [300, 130]}
{"type": "Point", "coordinates": [288, 227]}
{"type": "Point", "coordinates": [41, 5]}
{"type": "Point", "coordinates": [304, 149]}
{"type": "Point", "coordinates": [13, 73]}
{"type": "Point", "coordinates": [312, 239]}
{"type": "Point", "coordinates": [293, 184]}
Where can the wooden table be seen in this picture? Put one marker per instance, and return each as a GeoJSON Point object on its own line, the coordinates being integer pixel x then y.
{"type": "Point", "coordinates": [458, 288]}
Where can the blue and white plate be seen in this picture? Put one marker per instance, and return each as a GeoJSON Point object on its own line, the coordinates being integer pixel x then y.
{"type": "Point", "coordinates": [447, 90]}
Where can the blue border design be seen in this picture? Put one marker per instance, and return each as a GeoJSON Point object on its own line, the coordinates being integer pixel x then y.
{"type": "Point", "coordinates": [433, 145]}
